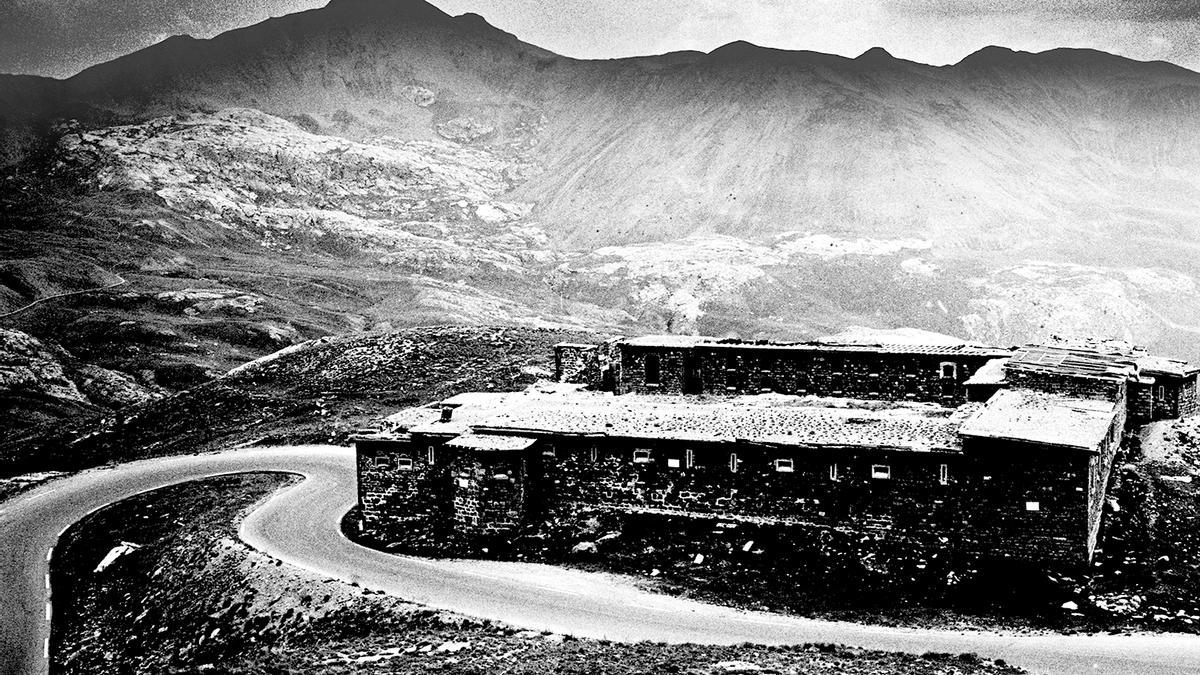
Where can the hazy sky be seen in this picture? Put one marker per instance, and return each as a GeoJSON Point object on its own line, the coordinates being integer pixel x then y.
{"type": "Point", "coordinates": [59, 37]}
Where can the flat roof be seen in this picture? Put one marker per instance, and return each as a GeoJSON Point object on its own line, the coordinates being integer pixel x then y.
{"type": "Point", "coordinates": [666, 340]}
{"type": "Point", "coordinates": [468, 409]}
{"type": "Point", "coordinates": [700, 341]}
{"type": "Point", "coordinates": [769, 420]}
{"type": "Point", "coordinates": [1159, 365]}
{"type": "Point", "coordinates": [1029, 416]}
{"type": "Point", "coordinates": [1073, 362]}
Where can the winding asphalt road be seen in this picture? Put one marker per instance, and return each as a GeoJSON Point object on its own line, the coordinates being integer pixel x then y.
{"type": "Point", "coordinates": [300, 525]}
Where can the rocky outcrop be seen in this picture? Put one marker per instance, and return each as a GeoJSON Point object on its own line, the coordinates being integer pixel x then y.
{"type": "Point", "coordinates": [465, 129]}
{"type": "Point", "coordinates": [194, 301]}
{"type": "Point", "coordinates": [40, 381]}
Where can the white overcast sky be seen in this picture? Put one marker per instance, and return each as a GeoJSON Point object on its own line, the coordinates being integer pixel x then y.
{"type": "Point", "coordinates": [59, 37]}
{"type": "Point", "coordinates": [929, 31]}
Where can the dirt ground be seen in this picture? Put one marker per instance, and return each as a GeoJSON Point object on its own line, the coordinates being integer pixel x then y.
{"type": "Point", "coordinates": [189, 597]}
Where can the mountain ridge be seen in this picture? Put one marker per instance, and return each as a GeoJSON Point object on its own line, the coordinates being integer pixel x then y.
{"type": "Point", "coordinates": [400, 166]}
{"type": "Point", "coordinates": [742, 139]}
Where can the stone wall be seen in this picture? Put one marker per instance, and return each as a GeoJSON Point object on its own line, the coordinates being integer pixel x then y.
{"type": "Point", "coordinates": [1100, 467]}
{"type": "Point", "coordinates": [1141, 402]}
{"type": "Point", "coordinates": [673, 367]}
{"type": "Point", "coordinates": [716, 370]}
{"type": "Point", "coordinates": [1080, 387]}
{"type": "Point", "coordinates": [1187, 397]}
{"type": "Point", "coordinates": [994, 500]}
{"type": "Point", "coordinates": [490, 492]}
{"type": "Point", "coordinates": [1174, 397]}
{"type": "Point", "coordinates": [696, 480]}
{"type": "Point", "coordinates": [1027, 502]}
{"type": "Point", "coordinates": [577, 363]}
{"type": "Point", "coordinates": [394, 498]}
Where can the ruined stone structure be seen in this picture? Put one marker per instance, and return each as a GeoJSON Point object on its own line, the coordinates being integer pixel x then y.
{"type": "Point", "coordinates": [695, 365]}
{"type": "Point", "coordinates": [998, 453]}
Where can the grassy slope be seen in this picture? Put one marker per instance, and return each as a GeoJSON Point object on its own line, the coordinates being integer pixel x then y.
{"type": "Point", "coordinates": [193, 598]}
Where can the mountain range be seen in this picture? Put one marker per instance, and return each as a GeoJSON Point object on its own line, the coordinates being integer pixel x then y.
{"type": "Point", "coordinates": [380, 163]}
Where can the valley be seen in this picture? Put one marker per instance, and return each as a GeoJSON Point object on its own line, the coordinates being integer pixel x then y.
{"type": "Point", "coordinates": [380, 165]}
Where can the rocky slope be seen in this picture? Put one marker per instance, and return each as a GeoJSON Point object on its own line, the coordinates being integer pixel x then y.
{"type": "Point", "coordinates": [381, 164]}
{"type": "Point", "coordinates": [192, 598]}
{"type": "Point", "coordinates": [745, 140]}
{"type": "Point", "coordinates": [40, 383]}
{"type": "Point", "coordinates": [317, 391]}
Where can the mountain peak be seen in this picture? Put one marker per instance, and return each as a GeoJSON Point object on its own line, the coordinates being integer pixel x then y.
{"type": "Point", "coordinates": [737, 48]}
{"type": "Point", "coordinates": [992, 55]}
{"type": "Point", "coordinates": [875, 54]}
{"type": "Point", "coordinates": [411, 8]}
{"type": "Point", "coordinates": [472, 17]}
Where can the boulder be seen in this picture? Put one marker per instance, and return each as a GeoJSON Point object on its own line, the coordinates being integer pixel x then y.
{"type": "Point", "coordinates": [584, 547]}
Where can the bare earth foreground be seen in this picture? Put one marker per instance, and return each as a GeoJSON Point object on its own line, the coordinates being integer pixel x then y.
{"type": "Point", "coordinates": [300, 526]}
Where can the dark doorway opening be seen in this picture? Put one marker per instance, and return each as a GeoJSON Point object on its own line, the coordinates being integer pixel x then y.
{"type": "Point", "coordinates": [692, 384]}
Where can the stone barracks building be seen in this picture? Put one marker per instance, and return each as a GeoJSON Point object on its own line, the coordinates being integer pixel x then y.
{"type": "Point", "coordinates": [1000, 453]}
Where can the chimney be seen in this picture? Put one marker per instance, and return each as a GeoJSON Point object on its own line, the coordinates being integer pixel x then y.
{"type": "Point", "coordinates": [447, 413]}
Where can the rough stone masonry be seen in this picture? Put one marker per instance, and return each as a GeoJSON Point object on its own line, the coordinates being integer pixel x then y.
{"type": "Point", "coordinates": [994, 453]}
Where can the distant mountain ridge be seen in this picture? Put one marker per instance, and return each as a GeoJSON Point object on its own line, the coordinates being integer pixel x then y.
{"type": "Point", "coordinates": [748, 191]}
{"type": "Point", "coordinates": [745, 139]}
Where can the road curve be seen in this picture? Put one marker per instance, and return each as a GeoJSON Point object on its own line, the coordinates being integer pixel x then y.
{"type": "Point", "coordinates": [300, 525]}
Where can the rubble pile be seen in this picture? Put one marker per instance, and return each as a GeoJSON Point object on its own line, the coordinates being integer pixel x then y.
{"type": "Point", "coordinates": [1148, 575]}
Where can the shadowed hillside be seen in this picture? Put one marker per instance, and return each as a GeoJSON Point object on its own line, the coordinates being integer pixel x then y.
{"type": "Point", "coordinates": [745, 140]}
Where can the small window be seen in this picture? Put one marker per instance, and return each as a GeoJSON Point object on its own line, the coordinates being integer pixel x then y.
{"type": "Point", "coordinates": [944, 474]}
{"type": "Point", "coordinates": [673, 462]}
{"type": "Point", "coordinates": [381, 462]}
{"type": "Point", "coordinates": [949, 370]}
{"type": "Point", "coordinates": [690, 458]}
{"type": "Point", "coordinates": [881, 471]}
{"type": "Point", "coordinates": [653, 369]}
{"type": "Point", "coordinates": [595, 453]}
{"type": "Point", "coordinates": [550, 451]}
{"type": "Point", "coordinates": [1162, 392]}
{"type": "Point", "coordinates": [833, 472]}
{"type": "Point", "coordinates": [430, 454]}
{"type": "Point", "coordinates": [1033, 506]}
{"type": "Point", "coordinates": [734, 462]}
{"type": "Point", "coordinates": [404, 463]}
{"type": "Point", "coordinates": [641, 457]}
{"type": "Point", "coordinates": [784, 466]}
{"type": "Point", "coordinates": [731, 362]}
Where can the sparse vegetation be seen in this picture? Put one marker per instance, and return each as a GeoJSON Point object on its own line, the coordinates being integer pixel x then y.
{"type": "Point", "coordinates": [193, 599]}
{"type": "Point", "coordinates": [319, 392]}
